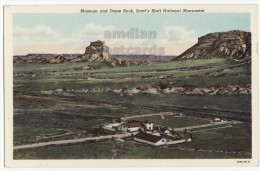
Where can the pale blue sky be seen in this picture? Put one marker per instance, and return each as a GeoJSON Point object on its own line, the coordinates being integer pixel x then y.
{"type": "Point", "coordinates": [68, 26]}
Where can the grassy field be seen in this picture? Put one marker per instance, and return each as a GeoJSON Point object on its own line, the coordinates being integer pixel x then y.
{"type": "Point", "coordinates": [231, 102]}
{"type": "Point", "coordinates": [112, 150]}
{"type": "Point", "coordinates": [166, 65]}
{"type": "Point", "coordinates": [228, 143]}
{"type": "Point", "coordinates": [149, 75]}
{"type": "Point", "coordinates": [175, 122]}
{"type": "Point", "coordinates": [98, 65]}
{"type": "Point", "coordinates": [41, 67]}
{"type": "Point", "coordinates": [39, 117]}
{"type": "Point", "coordinates": [53, 84]}
{"type": "Point", "coordinates": [236, 138]}
{"type": "Point", "coordinates": [84, 112]}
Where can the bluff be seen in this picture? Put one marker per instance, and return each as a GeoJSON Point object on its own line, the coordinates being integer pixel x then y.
{"type": "Point", "coordinates": [233, 45]}
{"type": "Point", "coordinates": [96, 51]}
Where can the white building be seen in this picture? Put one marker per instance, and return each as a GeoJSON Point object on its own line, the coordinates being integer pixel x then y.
{"type": "Point", "coordinates": [131, 126]}
{"type": "Point", "coordinates": [134, 125]}
{"type": "Point", "coordinates": [112, 127]}
{"type": "Point", "coordinates": [158, 140]}
{"type": "Point", "coordinates": [148, 125]}
{"type": "Point", "coordinates": [150, 139]}
{"type": "Point", "coordinates": [161, 130]}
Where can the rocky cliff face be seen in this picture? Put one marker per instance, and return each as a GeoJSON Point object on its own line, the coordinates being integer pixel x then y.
{"type": "Point", "coordinates": [235, 45]}
{"type": "Point", "coordinates": [96, 51]}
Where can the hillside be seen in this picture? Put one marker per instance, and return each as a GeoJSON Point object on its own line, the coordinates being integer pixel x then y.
{"type": "Point", "coordinates": [233, 45]}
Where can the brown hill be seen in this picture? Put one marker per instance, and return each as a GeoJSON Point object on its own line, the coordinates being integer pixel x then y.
{"type": "Point", "coordinates": [234, 45]}
{"type": "Point", "coordinates": [57, 59]}
{"type": "Point", "coordinates": [53, 60]}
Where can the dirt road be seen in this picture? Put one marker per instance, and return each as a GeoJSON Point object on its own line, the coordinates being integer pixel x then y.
{"type": "Point", "coordinates": [202, 126]}
{"type": "Point", "coordinates": [71, 141]}
{"type": "Point", "coordinates": [139, 116]}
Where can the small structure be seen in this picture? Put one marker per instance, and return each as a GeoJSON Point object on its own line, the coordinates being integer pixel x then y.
{"type": "Point", "coordinates": [177, 115]}
{"type": "Point", "coordinates": [114, 126]}
{"type": "Point", "coordinates": [150, 139]}
{"type": "Point", "coordinates": [148, 125]}
{"type": "Point", "coordinates": [217, 120]}
{"type": "Point", "coordinates": [161, 131]}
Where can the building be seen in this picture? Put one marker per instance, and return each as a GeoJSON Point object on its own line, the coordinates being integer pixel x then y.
{"type": "Point", "coordinates": [150, 139]}
{"type": "Point", "coordinates": [135, 125]}
{"type": "Point", "coordinates": [161, 130]}
{"type": "Point", "coordinates": [216, 120]}
{"type": "Point", "coordinates": [148, 125]}
{"type": "Point", "coordinates": [97, 47]}
{"type": "Point", "coordinates": [114, 126]}
{"type": "Point", "coordinates": [155, 140]}
{"type": "Point", "coordinates": [131, 126]}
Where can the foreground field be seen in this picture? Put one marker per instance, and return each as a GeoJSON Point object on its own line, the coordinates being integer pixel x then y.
{"type": "Point", "coordinates": [230, 143]}
{"type": "Point", "coordinates": [51, 103]}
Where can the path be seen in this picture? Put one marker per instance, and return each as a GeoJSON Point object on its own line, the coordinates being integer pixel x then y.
{"type": "Point", "coordinates": [202, 126]}
{"type": "Point", "coordinates": [152, 114]}
{"type": "Point", "coordinates": [213, 128]}
{"type": "Point", "coordinates": [71, 141]}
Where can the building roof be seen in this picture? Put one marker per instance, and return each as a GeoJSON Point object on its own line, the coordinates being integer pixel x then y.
{"type": "Point", "coordinates": [143, 125]}
{"type": "Point", "coordinates": [161, 129]}
{"type": "Point", "coordinates": [148, 137]}
{"type": "Point", "coordinates": [164, 129]}
{"type": "Point", "coordinates": [134, 121]}
{"type": "Point", "coordinates": [129, 125]}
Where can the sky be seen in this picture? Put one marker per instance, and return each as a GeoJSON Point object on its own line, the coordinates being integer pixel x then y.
{"type": "Point", "coordinates": [71, 33]}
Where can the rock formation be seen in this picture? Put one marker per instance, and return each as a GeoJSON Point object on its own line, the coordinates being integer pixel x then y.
{"type": "Point", "coordinates": [57, 59]}
{"type": "Point", "coordinates": [234, 45]}
{"type": "Point", "coordinates": [97, 51]}
{"type": "Point", "coordinates": [53, 60]}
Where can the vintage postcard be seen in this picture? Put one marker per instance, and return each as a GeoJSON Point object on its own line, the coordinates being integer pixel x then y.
{"type": "Point", "coordinates": [131, 85]}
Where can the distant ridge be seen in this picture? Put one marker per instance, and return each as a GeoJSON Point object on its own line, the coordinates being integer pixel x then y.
{"type": "Point", "coordinates": [97, 51]}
